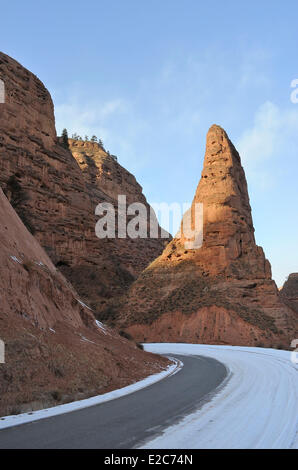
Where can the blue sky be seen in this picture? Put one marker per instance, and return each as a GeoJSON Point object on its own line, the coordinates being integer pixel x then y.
{"type": "Point", "coordinates": [151, 76]}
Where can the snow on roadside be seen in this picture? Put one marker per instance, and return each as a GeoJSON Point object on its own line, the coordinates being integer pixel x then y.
{"type": "Point", "coordinates": [15, 420]}
{"type": "Point", "coordinates": [257, 408]}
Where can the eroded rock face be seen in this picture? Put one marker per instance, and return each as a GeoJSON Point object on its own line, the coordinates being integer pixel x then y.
{"type": "Point", "coordinates": [223, 291]}
{"type": "Point", "coordinates": [229, 247]}
{"type": "Point", "coordinates": [103, 172]}
{"type": "Point", "coordinates": [289, 291]}
{"type": "Point", "coordinates": [56, 195]}
{"type": "Point", "coordinates": [105, 180]}
{"type": "Point", "coordinates": [54, 349]}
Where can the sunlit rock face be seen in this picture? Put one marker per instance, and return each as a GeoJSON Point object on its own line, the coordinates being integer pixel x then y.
{"type": "Point", "coordinates": [289, 291]}
{"type": "Point", "coordinates": [221, 292]}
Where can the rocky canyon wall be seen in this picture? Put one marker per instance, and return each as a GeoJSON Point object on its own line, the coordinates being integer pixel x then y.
{"type": "Point", "coordinates": [55, 351]}
{"type": "Point", "coordinates": [55, 193]}
{"type": "Point", "coordinates": [289, 292]}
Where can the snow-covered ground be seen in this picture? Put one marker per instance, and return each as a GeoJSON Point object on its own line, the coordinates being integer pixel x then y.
{"type": "Point", "coordinates": [257, 407]}
{"type": "Point", "coordinates": [15, 420]}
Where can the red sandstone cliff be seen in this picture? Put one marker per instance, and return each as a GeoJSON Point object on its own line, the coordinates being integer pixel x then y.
{"type": "Point", "coordinates": [103, 173]}
{"type": "Point", "coordinates": [54, 350]}
{"type": "Point", "coordinates": [222, 292]}
{"type": "Point", "coordinates": [56, 195]}
{"type": "Point", "coordinates": [289, 292]}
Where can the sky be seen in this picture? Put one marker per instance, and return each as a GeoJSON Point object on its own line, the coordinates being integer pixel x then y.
{"type": "Point", "coordinates": [149, 77]}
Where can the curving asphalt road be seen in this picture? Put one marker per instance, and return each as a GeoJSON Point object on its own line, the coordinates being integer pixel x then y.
{"type": "Point", "coordinates": [126, 422]}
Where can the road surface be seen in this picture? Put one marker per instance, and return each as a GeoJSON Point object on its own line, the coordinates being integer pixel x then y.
{"type": "Point", "coordinates": [128, 421]}
{"type": "Point", "coordinates": [256, 409]}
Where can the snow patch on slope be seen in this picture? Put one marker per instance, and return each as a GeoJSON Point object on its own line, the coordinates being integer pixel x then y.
{"type": "Point", "coordinates": [101, 326]}
{"type": "Point", "coordinates": [14, 258]}
{"type": "Point", "coordinates": [83, 305]}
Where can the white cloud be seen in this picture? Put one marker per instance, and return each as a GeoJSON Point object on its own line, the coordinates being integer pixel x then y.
{"type": "Point", "coordinates": [259, 142]}
{"type": "Point", "coordinates": [88, 117]}
{"type": "Point", "coordinates": [114, 106]}
{"type": "Point", "coordinates": [115, 121]}
{"type": "Point", "coordinates": [253, 69]}
{"type": "Point", "coordinates": [272, 135]}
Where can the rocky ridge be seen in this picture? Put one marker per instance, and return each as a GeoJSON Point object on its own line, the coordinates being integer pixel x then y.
{"type": "Point", "coordinates": [55, 195]}
{"type": "Point", "coordinates": [289, 291]}
{"type": "Point", "coordinates": [222, 292]}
